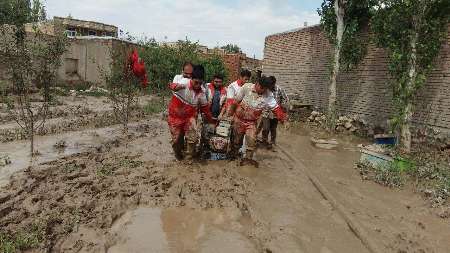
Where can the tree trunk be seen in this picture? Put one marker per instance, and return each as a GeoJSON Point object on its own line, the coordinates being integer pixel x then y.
{"type": "Point", "coordinates": [31, 136]}
{"type": "Point", "coordinates": [405, 140]}
{"type": "Point", "coordinates": [340, 12]}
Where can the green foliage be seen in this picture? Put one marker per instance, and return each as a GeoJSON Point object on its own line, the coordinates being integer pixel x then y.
{"type": "Point", "coordinates": [356, 20]}
{"type": "Point", "coordinates": [213, 65]}
{"type": "Point", "coordinates": [96, 93]}
{"type": "Point", "coordinates": [163, 62]}
{"type": "Point", "coordinates": [19, 12]}
{"type": "Point", "coordinates": [389, 175]}
{"type": "Point", "coordinates": [231, 48]}
{"type": "Point", "coordinates": [23, 240]}
{"type": "Point", "coordinates": [105, 170]}
{"type": "Point", "coordinates": [31, 59]}
{"type": "Point", "coordinates": [395, 26]}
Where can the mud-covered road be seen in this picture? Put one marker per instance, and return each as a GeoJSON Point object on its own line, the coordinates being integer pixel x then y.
{"type": "Point", "coordinates": [131, 196]}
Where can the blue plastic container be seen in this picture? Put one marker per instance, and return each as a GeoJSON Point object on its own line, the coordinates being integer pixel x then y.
{"type": "Point", "coordinates": [217, 156]}
{"type": "Point", "coordinates": [385, 139]}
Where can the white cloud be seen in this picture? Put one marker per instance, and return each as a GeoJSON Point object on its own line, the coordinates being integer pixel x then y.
{"type": "Point", "coordinates": [209, 22]}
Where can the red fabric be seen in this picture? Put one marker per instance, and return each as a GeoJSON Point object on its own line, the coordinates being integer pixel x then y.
{"type": "Point", "coordinates": [137, 66]}
{"type": "Point", "coordinates": [244, 126]}
{"type": "Point", "coordinates": [134, 57]}
{"type": "Point", "coordinates": [240, 82]}
{"type": "Point", "coordinates": [180, 129]}
{"type": "Point", "coordinates": [179, 112]}
{"type": "Point", "coordinates": [212, 88]}
{"type": "Point", "coordinates": [280, 114]}
{"type": "Point", "coordinates": [173, 86]}
{"type": "Point", "coordinates": [230, 101]}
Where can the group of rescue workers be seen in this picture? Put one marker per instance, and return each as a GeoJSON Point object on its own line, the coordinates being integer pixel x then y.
{"type": "Point", "coordinates": [251, 108]}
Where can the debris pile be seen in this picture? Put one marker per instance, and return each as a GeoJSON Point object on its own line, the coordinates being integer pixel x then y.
{"type": "Point", "coordinates": [439, 139]}
{"type": "Point", "coordinates": [351, 124]}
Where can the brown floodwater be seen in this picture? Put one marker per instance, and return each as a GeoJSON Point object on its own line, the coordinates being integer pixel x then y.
{"type": "Point", "coordinates": [180, 230]}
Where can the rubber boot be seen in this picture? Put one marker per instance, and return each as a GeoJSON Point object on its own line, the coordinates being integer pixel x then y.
{"type": "Point", "coordinates": [190, 152]}
{"type": "Point", "coordinates": [178, 151]}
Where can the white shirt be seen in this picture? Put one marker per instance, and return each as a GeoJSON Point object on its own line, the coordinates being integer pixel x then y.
{"type": "Point", "coordinates": [178, 79]}
{"type": "Point", "coordinates": [232, 90]}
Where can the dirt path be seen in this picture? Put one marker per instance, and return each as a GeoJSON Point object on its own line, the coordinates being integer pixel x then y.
{"type": "Point", "coordinates": [133, 197]}
{"type": "Point", "coordinates": [397, 220]}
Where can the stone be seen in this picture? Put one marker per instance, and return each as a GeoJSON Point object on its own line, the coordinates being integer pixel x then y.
{"type": "Point", "coordinates": [4, 160]}
{"type": "Point", "coordinates": [60, 144]}
{"type": "Point", "coordinates": [315, 113]}
{"type": "Point", "coordinates": [348, 125]}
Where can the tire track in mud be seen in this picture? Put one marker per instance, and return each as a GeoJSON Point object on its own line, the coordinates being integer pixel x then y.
{"type": "Point", "coordinates": [354, 225]}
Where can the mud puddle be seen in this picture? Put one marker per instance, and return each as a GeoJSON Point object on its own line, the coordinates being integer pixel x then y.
{"type": "Point", "coordinates": [72, 143]}
{"type": "Point", "coordinates": [174, 230]}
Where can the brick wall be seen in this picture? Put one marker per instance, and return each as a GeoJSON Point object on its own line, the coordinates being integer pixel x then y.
{"type": "Point", "coordinates": [300, 61]}
{"type": "Point", "coordinates": [233, 64]}
{"type": "Point", "coordinates": [236, 62]}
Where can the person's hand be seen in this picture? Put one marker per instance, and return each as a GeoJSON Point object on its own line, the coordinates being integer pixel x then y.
{"type": "Point", "coordinates": [225, 117]}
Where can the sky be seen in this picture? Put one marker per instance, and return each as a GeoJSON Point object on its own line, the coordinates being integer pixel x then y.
{"type": "Point", "coordinates": [210, 22]}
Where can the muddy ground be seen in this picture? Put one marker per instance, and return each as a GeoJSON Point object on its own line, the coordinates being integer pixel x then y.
{"type": "Point", "coordinates": [113, 194]}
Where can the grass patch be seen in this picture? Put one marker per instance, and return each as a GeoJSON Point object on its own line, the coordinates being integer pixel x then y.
{"type": "Point", "coordinates": [154, 106]}
{"type": "Point", "coordinates": [105, 170]}
{"type": "Point", "coordinates": [70, 167]}
{"type": "Point", "coordinates": [22, 240]}
{"type": "Point", "coordinates": [129, 163]}
{"type": "Point", "coordinates": [432, 177]}
{"type": "Point", "coordinates": [390, 175]}
{"type": "Point", "coordinates": [428, 171]}
{"type": "Point", "coordinates": [95, 93]}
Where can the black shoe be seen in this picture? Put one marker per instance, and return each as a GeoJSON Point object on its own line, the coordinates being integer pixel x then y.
{"type": "Point", "coordinates": [179, 156]}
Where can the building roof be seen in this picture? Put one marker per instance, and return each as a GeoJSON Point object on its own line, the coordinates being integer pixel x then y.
{"type": "Point", "coordinates": [85, 23]}
{"type": "Point", "coordinates": [102, 38]}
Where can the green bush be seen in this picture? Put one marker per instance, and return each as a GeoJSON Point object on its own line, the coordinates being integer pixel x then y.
{"type": "Point", "coordinates": [163, 62]}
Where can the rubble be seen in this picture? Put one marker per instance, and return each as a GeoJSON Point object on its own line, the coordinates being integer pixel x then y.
{"type": "Point", "coordinates": [325, 144]}
{"type": "Point", "coordinates": [351, 124]}
{"type": "Point", "coordinates": [61, 144]}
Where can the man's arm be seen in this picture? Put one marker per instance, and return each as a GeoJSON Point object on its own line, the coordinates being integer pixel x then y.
{"type": "Point", "coordinates": [178, 84]}
{"type": "Point", "coordinates": [205, 109]}
{"type": "Point", "coordinates": [236, 101]}
{"type": "Point", "coordinates": [276, 109]}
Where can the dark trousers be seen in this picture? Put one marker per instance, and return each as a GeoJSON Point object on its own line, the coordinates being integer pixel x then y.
{"type": "Point", "coordinates": [269, 126]}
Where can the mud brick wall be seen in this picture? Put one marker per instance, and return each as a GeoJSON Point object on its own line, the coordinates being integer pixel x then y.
{"type": "Point", "coordinates": [300, 60]}
{"type": "Point", "coordinates": [233, 64]}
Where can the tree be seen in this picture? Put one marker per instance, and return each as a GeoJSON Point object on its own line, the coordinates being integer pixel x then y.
{"type": "Point", "coordinates": [164, 62]}
{"type": "Point", "coordinates": [214, 65]}
{"type": "Point", "coordinates": [32, 60]}
{"type": "Point", "coordinates": [412, 32]}
{"type": "Point", "coordinates": [343, 21]}
{"type": "Point", "coordinates": [232, 49]}
{"type": "Point", "coordinates": [124, 78]}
